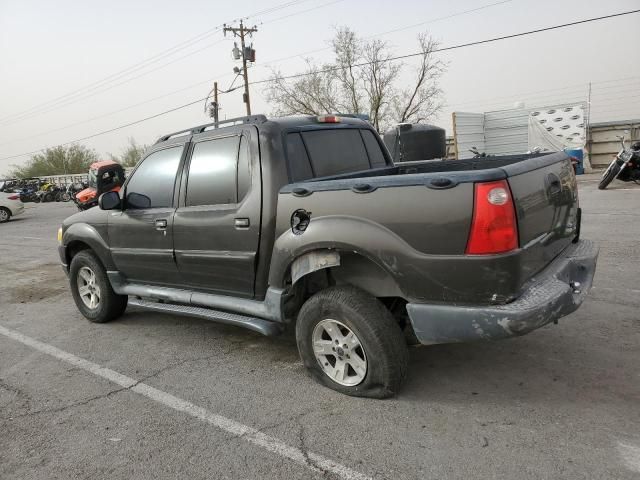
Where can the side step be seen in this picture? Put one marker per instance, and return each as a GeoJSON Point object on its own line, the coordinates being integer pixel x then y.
{"type": "Point", "coordinates": [265, 327]}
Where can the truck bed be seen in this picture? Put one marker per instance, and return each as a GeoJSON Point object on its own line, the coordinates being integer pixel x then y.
{"type": "Point", "coordinates": [426, 208]}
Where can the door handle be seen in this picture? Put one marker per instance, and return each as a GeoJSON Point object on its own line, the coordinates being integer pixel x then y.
{"type": "Point", "coordinates": [241, 223]}
{"type": "Point", "coordinates": [161, 225]}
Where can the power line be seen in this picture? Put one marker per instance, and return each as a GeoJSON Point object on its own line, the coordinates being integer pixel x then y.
{"type": "Point", "coordinates": [433, 20]}
{"type": "Point", "coordinates": [104, 132]}
{"type": "Point", "coordinates": [453, 47]}
{"type": "Point", "coordinates": [224, 75]}
{"type": "Point", "coordinates": [97, 89]}
{"type": "Point", "coordinates": [574, 87]}
{"type": "Point", "coordinates": [462, 45]}
{"type": "Point", "coordinates": [208, 81]}
{"type": "Point", "coordinates": [144, 63]}
{"type": "Point", "coordinates": [107, 87]}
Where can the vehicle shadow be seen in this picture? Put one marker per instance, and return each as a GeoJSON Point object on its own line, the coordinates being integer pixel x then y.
{"type": "Point", "coordinates": [539, 367]}
{"type": "Point", "coordinates": [545, 366]}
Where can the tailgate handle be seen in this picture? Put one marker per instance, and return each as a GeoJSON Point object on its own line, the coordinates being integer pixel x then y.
{"type": "Point", "coordinates": [440, 183]}
{"type": "Point", "coordinates": [553, 184]}
{"type": "Point", "coordinates": [362, 188]}
{"type": "Point", "coordinates": [301, 192]}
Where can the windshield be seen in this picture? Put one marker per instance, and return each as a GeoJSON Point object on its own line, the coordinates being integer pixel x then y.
{"type": "Point", "coordinates": [93, 178]}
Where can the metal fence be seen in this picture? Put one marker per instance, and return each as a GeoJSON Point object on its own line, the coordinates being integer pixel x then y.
{"type": "Point", "coordinates": [604, 142]}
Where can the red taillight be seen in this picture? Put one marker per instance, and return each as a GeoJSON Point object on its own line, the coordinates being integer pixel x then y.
{"type": "Point", "coordinates": [328, 119]}
{"type": "Point", "coordinates": [14, 197]}
{"type": "Point", "coordinates": [493, 228]}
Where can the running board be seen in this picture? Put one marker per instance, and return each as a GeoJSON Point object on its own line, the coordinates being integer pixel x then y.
{"type": "Point", "coordinates": [265, 327]}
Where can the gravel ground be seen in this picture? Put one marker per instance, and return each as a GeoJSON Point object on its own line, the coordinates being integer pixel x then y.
{"type": "Point", "coordinates": [561, 402]}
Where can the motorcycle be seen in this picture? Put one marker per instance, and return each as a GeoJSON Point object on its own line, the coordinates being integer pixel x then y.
{"type": "Point", "coordinates": [625, 166]}
{"type": "Point", "coordinates": [70, 192]}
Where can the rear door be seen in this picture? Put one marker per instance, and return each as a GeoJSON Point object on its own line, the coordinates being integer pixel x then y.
{"type": "Point", "coordinates": [217, 223]}
{"type": "Point", "coordinates": [141, 236]}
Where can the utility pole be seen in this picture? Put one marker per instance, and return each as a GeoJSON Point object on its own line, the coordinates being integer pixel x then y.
{"type": "Point", "coordinates": [215, 107]}
{"type": "Point", "coordinates": [248, 55]}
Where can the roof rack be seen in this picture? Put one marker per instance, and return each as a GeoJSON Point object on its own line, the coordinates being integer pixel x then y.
{"type": "Point", "coordinates": [252, 119]}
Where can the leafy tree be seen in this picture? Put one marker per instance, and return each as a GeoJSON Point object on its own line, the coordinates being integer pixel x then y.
{"type": "Point", "coordinates": [57, 161]}
{"type": "Point", "coordinates": [363, 79]}
{"type": "Point", "coordinates": [131, 155]}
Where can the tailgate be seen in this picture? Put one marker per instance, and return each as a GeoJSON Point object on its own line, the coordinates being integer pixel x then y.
{"type": "Point", "coordinates": [546, 199]}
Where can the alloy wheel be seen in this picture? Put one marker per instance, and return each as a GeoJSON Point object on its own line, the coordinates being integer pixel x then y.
{"type": "Point", "coordinates": [88, 288]}
{"type": "Point", "coordinates": [339, 352]}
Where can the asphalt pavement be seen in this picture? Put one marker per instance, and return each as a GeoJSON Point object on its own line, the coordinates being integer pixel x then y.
{"type": "Point", "coordinates": [159, 396]}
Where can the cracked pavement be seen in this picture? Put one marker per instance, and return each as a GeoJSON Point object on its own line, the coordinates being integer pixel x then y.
{"type": "Point", "coordinates": [557, 403]}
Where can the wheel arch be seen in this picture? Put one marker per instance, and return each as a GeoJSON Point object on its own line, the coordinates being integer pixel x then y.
{"type": "Point", "coordinates": [81, 236]}
{"type": "Point", "coordinates": [345, 267]}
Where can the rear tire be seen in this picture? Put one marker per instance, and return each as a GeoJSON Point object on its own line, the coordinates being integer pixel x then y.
{"type": "Point", "coordinates": [48, 197]}
{"type": "Point", "coordinates": [66, 196]}
{"type": "Point", "coordinates": [5, 214]}
{"type": "Point", "coordinates": [609, 175]}
{"type": "Point", "coordinates": [331, 321]}
{"type": "Point", "coordinates": [92, 291]}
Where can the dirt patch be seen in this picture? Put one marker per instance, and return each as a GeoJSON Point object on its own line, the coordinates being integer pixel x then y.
{"type": "Point", "coordinates": [33, 284]}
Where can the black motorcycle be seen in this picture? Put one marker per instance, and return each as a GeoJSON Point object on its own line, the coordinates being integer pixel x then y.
{"type": "Point", "coordinates": [71, 190]}
{"type": "Point", "coordinates": [625, 167]}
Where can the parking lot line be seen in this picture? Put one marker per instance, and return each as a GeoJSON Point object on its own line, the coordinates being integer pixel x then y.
{"type": "Point", "coordinates": [274, 445]}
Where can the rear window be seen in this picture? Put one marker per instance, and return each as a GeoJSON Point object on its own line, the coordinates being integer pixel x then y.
{"type": "Point", "coordinates": [321, 153]}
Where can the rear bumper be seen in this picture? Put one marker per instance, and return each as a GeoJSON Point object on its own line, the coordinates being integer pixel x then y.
{"type": "Point", "coordinates": [17, 208]}
{"type": "Point", "coordinates": [545, 298]}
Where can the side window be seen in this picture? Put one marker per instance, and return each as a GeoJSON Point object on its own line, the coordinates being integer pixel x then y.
{"type": "Point", "coordinates": [213, 172]}
{"type": "Point", "coordinates": [299, 164]}
{"type": "Point", "coordinates": [244, 167]}
{"type": "Point", "coordinates": [376, 157]}
{"type": "Point", "coordinates": [156, 176]}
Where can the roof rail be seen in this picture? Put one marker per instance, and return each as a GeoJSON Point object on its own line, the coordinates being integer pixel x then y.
{"type": "Point", "coordinates": [252, 119]}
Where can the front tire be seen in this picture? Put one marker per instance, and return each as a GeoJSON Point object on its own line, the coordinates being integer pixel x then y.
{"type": "Point", "coordinates": [609, 175]}
{"type": "Point", "coordinates": [92, 291]}
{"type": "Point", "coordinates": [351, 343]}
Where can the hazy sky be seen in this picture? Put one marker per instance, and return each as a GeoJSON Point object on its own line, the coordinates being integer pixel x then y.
{"type": "Point", "coordinates": [49, 49]}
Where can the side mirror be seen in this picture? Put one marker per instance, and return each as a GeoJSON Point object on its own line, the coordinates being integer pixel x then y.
{"type": "Point", "coordinates": [138, 201]}
{"type": "Point", "coordinates": [109, 201]}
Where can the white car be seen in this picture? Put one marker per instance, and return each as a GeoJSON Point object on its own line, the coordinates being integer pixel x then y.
{"type": "Point", "coordinates": [10, 206]}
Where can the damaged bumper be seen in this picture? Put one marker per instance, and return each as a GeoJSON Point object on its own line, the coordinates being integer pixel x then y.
{"type": "Point", "coordinates": [553, 293]}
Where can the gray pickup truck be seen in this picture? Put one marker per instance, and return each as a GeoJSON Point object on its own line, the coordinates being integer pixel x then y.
{"type": "Point", "coordinates": [305, 221]}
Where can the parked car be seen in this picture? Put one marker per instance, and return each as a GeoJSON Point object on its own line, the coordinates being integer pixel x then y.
{"type": "Point", "coordinates": [306, 221]}
{"type": "Point", "coordinates": [10, 206]}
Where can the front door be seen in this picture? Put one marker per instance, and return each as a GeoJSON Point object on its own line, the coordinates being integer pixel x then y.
{"type": "Point", "coordinates": [141, 235]}
{"type": "Point", "coordinates": [217, 223]}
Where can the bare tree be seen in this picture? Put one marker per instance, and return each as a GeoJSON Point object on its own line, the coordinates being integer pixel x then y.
{"type": "Point", "coordinates": [363, 78]}
{"type": "Point", "coordinates": [348, 51]}
{"type": "Point", "coordinates": [425, 99]}
{"type": "Point", "coordinates": [378, 75]}
{"type": "Point", "coordinates": [313, 93]}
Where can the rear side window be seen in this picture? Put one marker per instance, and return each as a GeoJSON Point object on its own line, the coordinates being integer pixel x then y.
{"type": "Point", "coordinates": [299, 165]}
{"type": "Point", "coordinates": [373, 149]}
{"type": "Point", "coordinates": [213, 172]}
{"type": "Point", "coordinates": [156, 175]}
{"type": "Point", "coordinates": [244, 168]}
{"type": "Point", "coordinates": [326, 152]}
